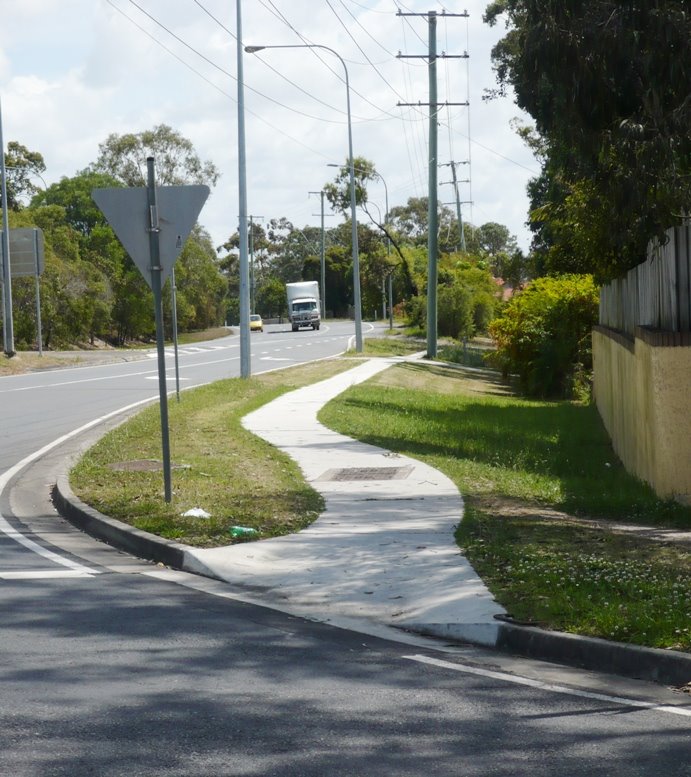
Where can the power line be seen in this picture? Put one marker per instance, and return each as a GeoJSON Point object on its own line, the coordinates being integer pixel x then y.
{"type": "Point", "coordinates": [350, 35]}
{"type": "Point", "coordinates": [225, 94]}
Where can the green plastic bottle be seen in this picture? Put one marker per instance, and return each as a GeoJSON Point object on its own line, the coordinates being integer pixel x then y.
{"type": "Point", "coordinates": [237, 532]}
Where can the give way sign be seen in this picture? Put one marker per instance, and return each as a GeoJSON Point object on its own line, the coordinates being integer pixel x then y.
{"type": "Point", "coordinates": [127, 212]}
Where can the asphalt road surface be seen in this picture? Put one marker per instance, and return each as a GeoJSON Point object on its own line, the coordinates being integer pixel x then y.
{"type": "Point", "coordinates": [114, 666]}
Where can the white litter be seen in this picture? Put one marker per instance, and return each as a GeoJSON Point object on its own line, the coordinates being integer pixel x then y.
{"type": "Point", "coordinates": [196, 512]}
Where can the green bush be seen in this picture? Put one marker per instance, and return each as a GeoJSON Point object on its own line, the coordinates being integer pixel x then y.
{"type": "Point", "coordinates": [455, 312]}
{"type": "Point", "coordinates": [544, 336]}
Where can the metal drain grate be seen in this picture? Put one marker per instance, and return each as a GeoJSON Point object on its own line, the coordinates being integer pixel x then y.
{"type": "Point", "coordinates": [367, 473]}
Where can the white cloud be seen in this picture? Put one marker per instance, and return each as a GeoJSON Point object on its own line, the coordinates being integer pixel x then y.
{"type": "Point", "coordinates": [74, 71]}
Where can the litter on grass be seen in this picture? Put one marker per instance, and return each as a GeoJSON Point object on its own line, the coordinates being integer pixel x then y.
{"type": "Point", "coordinates": [242, 531]}
{"type": "Point", "coordinates": [196, 512]}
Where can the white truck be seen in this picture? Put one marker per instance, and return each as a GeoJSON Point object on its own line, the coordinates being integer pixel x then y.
{"type": "Point", "coordinates": [303, 304]}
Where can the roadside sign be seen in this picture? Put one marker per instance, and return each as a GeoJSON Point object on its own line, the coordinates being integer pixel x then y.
{"type": "Point", "coordinates": [27, 251]}
{"type": "Point", "coordinates": [127, 212]}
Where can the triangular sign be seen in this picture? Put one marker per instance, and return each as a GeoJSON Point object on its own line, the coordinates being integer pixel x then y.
{"type": "Point", "coordinates": [127, 212]}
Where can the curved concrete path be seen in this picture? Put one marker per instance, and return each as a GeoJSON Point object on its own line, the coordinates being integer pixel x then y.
{"type": "Point", "coordinates": [384, 548]}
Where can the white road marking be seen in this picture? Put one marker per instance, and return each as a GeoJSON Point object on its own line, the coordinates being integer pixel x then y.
{"type": "Point", "coordinates": [8, 530]}
{"type": "Point", "coordinates": [74, 382]}
{"type": "Point", "coordinates": [517, 680]}
{"type": "Point", "coordinates": [45, 574]}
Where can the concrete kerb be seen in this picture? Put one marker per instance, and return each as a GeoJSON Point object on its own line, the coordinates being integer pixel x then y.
{"type": "Point", "coordinates": [660, 666]}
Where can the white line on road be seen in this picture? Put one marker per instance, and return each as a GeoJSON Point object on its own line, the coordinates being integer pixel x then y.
{"type": "Point", "coordinates": [516, 679]}
{"type": "Point", "coordinates": [8, 530]}
{"type": "Point", "coordinates": [45, 574]}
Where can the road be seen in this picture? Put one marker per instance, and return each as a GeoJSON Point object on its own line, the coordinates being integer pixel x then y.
{"type": "Point", "coordinates": [113, 666]}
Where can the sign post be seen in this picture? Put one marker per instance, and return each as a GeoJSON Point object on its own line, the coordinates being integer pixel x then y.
{"type": "Point", "coordinates": [156, 272]}
{"type": "Point", "coordinates": [8, 322]}
{"type": "Point", "coordinates": [26, 246]}
{"type": "Point", "coordinates": [152, 224]}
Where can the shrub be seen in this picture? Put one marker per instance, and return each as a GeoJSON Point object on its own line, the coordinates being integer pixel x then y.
{"type": "Point", "coordinates": [543, 335]}
{"type": "Point", "coordinates": [455, 312]}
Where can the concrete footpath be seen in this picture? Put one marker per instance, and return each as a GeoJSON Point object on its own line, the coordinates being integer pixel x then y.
{"type": "Point", "coordinates": [383, 552]}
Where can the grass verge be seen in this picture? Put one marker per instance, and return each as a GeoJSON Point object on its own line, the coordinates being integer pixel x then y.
{"type": "Point", "coordinates": [220, 467]}
{"type": "Point", "coordinates": [388, 346]}
{"type": "Point", "coordinates": [542, 486]}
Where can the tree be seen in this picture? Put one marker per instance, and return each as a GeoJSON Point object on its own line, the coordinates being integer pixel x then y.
{"type": "Point", "coordinates": [271, 298]}
{"type": "Point", "coordinates": [410, 221]}
{"type": "Point", "coordinates": [495, 239]}
{"type": "Point", "coordinates": [124, 158]}
{"type": "Point", "coordinates": [21, 164]}
{"type": "Point", "coordinates": [201, 289]}
{"type": "Point", "coordinates": [74, 196]}
{"type": "Point", "coordinates": [607, 84]}
{"type": "Point", "coordinates": [338, 192]}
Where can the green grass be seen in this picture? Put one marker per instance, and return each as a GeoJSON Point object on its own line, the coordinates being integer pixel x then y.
{"type": "Point", "coordinates": [469, 355]}
{"type": "Point", "coordinates": [185, 338]}
{"type": "Point", "coordinates": [534, 476]}
{"type": "Point", "coordinates": [236, 477]}
{"type": "Point", "coordinates": [578, 579]}
{"type": "Point", "coordinates": [388, 346]}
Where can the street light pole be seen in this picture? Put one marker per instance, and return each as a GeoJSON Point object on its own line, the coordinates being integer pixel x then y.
{"type": "Point", "coordinates": [245, 358]}
{"type": "Point", "coordinates": [357, 303]}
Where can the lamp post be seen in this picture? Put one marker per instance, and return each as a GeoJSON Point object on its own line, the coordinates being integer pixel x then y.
{"type": "Point", "coordinates": [245, 355]}
{"type": "Point", "coordinates": [357, 304]}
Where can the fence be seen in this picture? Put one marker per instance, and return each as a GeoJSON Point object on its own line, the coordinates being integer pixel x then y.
{"type": "Point", "coordinates": [655, 294]}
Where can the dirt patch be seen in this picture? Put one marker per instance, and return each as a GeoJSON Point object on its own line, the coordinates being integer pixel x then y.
{"type": "Point", "coordinates": [505, 507]}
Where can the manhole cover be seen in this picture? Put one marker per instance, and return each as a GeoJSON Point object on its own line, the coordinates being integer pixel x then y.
{"type": "Point", "coordinates": [367, 473]}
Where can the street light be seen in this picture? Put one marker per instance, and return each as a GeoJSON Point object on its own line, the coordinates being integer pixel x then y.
{"type": "Point", "coordinates": [356, 259]}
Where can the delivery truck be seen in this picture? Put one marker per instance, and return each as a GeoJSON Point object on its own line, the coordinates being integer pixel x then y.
{"type": "Point", "coordinates": [303, 304]}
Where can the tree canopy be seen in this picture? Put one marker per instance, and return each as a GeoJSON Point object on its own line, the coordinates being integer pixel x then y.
{"type": "Point", "coordinates": [21, 165]}
{"type": "Point", "coordinates": [608, 86]}
{"type": "Point", "coordinates": [123, 157]}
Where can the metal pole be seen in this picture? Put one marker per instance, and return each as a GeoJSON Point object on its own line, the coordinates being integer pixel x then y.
{"type": "Point", "coordinates": [156, 269]}
{"type": "Point", "coordinates": [353, 216]}
{"type": "Point", "coordinates": [432, 241]}
{"type": "Point", "coordinates": [391, 300]}
{"type": "Point", "coordinates": [357, 303]}
{"type": "Point", "coordinates": [251, 252]}
{"type": "Point", "coordinates": [174, 303]}
{"type": "Point", "coordinates": [8, 324]}
{"type": "Point", "coordinates": [322, 259]}
{"type": "Point", "coordinates": [245, 358]}
{"type": "Point", "coordinates": [39, 329]}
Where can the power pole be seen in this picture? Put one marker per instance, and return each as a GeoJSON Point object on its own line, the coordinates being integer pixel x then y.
{"type": "Point", "coordinates": [322, 259]}
{"type": "Point", "coordinates": [432, 238]}
{"type": "Point", "coordinates": [251, 252]}
{"type": "Point", "coordinates": [455, 183]}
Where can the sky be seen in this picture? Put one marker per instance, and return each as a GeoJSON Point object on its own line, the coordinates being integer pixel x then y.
{"type": "Point", "coordinates": [72, 72]}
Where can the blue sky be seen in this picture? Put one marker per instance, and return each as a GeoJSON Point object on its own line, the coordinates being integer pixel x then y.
{"type": "Point", "coordinates": [74, 71]}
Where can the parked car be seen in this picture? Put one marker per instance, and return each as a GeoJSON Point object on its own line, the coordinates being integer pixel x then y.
{"type": "Point", "coordinates": [256, 323]}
